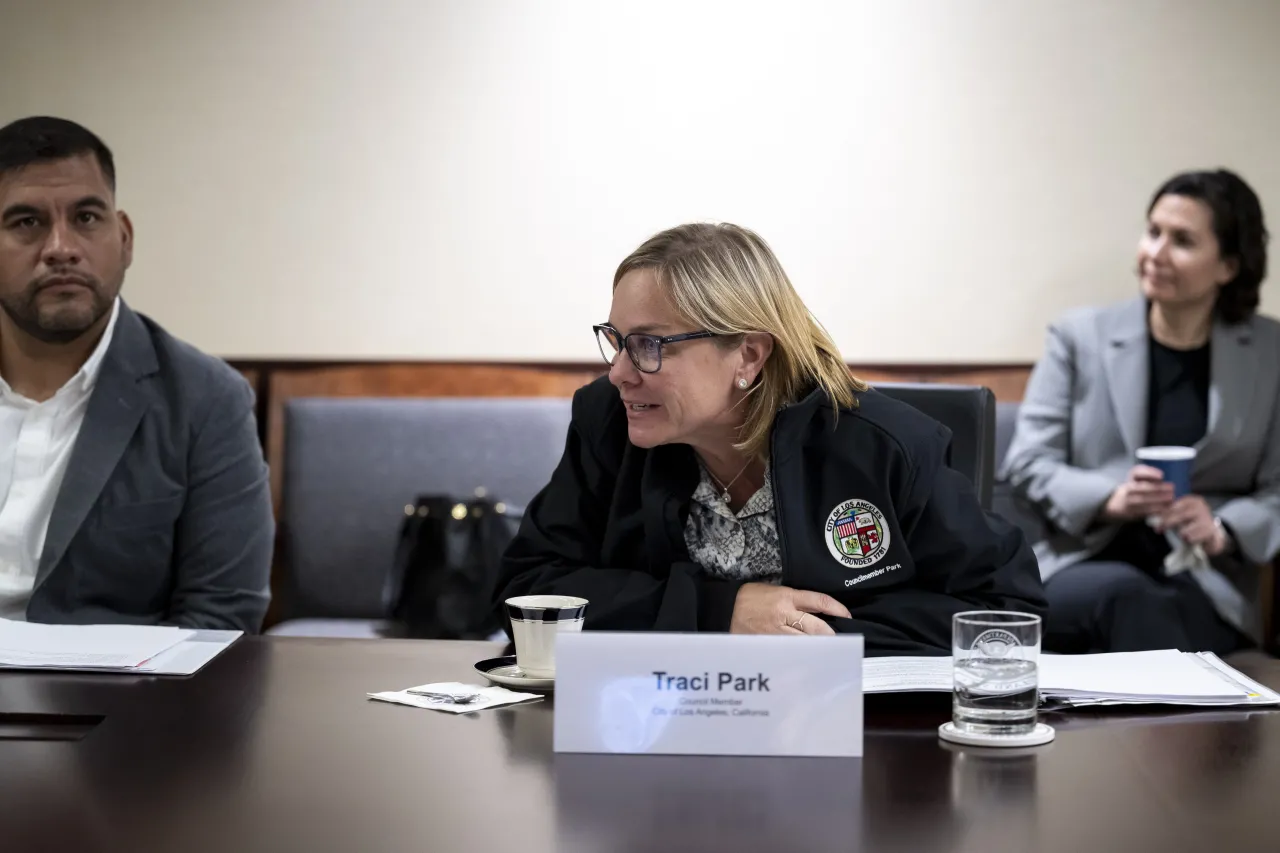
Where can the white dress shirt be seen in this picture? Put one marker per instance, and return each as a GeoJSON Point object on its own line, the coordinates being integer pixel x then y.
{"type": "Point", "coordinates": [36, 440]}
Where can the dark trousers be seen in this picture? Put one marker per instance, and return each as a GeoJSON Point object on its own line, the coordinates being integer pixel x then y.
{"type": "Point", "coordinates": [1112, 606]}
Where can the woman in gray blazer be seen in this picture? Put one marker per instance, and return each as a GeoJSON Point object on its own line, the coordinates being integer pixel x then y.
{"type": "Point", "coordinates": [1189, 363]}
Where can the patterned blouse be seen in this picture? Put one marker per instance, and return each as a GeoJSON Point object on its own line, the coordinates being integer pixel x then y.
{"type": "Point", "coordinates": [742, 546]}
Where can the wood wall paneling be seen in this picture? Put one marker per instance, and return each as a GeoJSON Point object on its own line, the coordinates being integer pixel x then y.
{"type": "Point", "coordinates": [1007, 382]}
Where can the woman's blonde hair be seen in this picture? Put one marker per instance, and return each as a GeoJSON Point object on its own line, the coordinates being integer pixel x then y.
{"type": "Point", "coordinates": [725, 279]}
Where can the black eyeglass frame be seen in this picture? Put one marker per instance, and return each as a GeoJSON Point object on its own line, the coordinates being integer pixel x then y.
{"type": "Point", "coordinates": [662, 341]}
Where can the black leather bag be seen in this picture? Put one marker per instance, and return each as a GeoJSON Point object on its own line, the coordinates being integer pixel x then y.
{"type": "Point", "coordinates": [446, 567]}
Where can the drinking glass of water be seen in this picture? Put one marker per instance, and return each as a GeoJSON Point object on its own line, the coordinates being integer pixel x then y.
{"type": "Point", "coordinates": [995, 657]}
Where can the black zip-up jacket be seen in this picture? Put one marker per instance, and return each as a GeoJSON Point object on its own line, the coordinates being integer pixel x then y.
{"type": "Point", "coordinates": [867, 511]}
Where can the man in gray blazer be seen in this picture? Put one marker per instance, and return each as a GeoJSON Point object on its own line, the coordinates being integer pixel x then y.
{"type": "Point", "coordinates": [132, 483]}
{"type": "Point", "coordinates": [1189, 363]}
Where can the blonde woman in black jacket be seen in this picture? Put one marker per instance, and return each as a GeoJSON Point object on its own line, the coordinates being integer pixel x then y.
{"type": "Point", "coordinates": [730, 475]}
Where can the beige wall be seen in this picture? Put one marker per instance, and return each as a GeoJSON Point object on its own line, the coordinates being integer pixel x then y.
{"type": "Point", "coordinates": [379, 179]}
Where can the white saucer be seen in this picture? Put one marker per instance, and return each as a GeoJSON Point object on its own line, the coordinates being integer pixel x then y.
{"type": "Point", "coordinates": [1038, 736]}
{"type": "Point", "coordinates": [504, 671]}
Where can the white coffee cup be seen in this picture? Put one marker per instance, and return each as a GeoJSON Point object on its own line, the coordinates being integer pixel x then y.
{"type": "Point", "coordinates": [535, 621]}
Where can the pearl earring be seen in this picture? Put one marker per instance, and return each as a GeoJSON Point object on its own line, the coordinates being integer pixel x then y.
{"type": "Point", "coordinates": [742, 383]}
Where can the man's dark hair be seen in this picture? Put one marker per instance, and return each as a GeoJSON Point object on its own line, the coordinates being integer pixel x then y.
{"type": "Point", "coordinates": [42, 139]}
{"type": "Point", "coordinates": [1240, 229]}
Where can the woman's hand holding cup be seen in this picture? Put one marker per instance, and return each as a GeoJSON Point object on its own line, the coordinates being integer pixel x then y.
{"type": "Point", "coordinates": [1144, 494]}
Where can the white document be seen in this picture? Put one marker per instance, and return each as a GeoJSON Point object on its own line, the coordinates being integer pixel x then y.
{"type": "Point", "coordinates": [1167, 677]}
{"type": "Point", "coordinates": [906, 675]}
{"type": "Point", "coordinates": [189, 656]}
{"type": "Point", "coordinates": [1258, 694]}
{"type": "Point", "coordinates": [33, 645]}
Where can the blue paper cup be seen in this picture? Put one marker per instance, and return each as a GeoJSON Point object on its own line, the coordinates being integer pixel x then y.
{"type": "Point", "coordinates": [1174, 462]}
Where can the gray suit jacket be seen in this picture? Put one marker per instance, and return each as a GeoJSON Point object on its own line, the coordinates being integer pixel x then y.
{"type": "Point", "coordinates": [164, 516]}
{"type": "Point", "coordinates": [1084, 415]}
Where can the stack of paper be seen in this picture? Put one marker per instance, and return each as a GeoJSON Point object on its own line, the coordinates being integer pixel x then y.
{"type": "Point", "coordinates": [1174, 678]}
{"type": "Point", "coordinates": [109, 648]}
{"type": "Point", "coordinates": [189, 656]}
{"type": "Point", "coordinates": [1167, 676]}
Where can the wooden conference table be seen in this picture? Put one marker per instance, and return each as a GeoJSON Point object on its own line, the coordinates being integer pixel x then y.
{"type": "Point", "coordinates": [274, 747]}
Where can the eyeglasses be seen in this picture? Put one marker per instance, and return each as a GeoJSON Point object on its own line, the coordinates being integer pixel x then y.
{"type": "Point", "coordinates": [645, 350]}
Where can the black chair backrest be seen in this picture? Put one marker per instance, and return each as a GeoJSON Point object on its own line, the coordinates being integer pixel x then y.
{"type": "Point", "coordinates": [969, 411]}
{"type": "Point", "coordinates": [353, 465]}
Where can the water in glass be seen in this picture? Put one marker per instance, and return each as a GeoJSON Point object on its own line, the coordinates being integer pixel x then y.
{"type": "Point", "coordinates": [995, 674]}
{"type": "Point", "coordinates": [995, 696]}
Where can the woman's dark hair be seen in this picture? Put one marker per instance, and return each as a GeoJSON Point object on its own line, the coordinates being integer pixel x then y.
{"type": "Point", "coordinates": [42, 139]}
{"type": "Point", "coordinates": [1240, 229]}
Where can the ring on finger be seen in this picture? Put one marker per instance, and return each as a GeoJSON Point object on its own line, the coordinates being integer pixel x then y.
{"type": "Point", "coordinates": [796, 624]}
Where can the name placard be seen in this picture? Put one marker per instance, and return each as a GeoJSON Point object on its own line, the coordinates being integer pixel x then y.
{"type": "Point", "coordinates": [708, 694]}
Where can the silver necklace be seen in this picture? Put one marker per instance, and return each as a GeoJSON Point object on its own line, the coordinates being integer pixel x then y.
{"type": "Point", "coordinates": [724, 495]}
